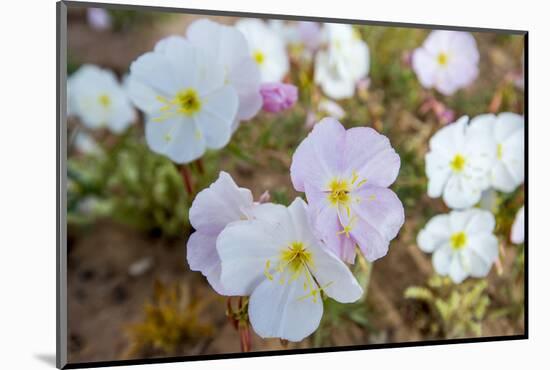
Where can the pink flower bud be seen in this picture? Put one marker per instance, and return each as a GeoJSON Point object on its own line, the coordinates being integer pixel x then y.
{"type": "Point", "coordinates": [278, 96]}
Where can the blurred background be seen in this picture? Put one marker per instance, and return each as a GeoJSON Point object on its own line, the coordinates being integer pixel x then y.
{"type": "Point", "coordinates": [131, 293]}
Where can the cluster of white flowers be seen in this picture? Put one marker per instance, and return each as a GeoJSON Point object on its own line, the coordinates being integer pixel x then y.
{"type": "Point", "coordinates": [286, 259]}
{"type": "Point", "coordinates": [464, 160]}
{"type": "Point", "coordinates": [270, 253]}
{"type": "Point", "coordinates": [194, 91]}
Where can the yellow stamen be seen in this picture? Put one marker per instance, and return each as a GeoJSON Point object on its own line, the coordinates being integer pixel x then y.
{"type": "Point", "coordinates": [186, 102]}
{"type": "Point", "coordinates": [259, 57]}
{"type": "Point", "coordinates": [500, 151]}
{"type": "Point", "coordinates": [296, 257]}
{"type": "Point", "coordinates": [104, 100]}
{"type": "Point", "coordinates": [442, 59]}
{"type": "Point", "coordinates": [458, 163]}
{"type": "Point", "coordinates": [348, 228]}
{"type": "Point", "coordinates": [266, 270]}
{"type": "Point", "coordinates": [458, 240]}
{"type": "Point", "coordinates": [339, 192]}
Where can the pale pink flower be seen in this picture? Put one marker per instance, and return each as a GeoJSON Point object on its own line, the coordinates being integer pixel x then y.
{"type": "Point", "coordinates": [213, 208]}
{"type": "Point", "coordinates": [345, 175]}
{"type": "Point", "coordinates": [447, 61]}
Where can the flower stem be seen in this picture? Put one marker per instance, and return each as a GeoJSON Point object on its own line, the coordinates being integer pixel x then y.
{"type": "Point", "coordinates": [187, 181]}
{"type": "Point", "coordinates": [200, 166]}
{"type": "Point", "coordinates": [244, 334]}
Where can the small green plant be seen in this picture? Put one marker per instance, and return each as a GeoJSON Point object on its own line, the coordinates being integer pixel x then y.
{"type": "Point", "coordinates": [131, 185]}
{"type": "Point", "coordinates": [456, 310]}
{"type": "Point", "coordinates": [171, 322]}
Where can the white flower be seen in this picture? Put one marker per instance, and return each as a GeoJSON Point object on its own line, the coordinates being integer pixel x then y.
{"type": "Point", "coordinates": [229, 47]}
{"type": "Point", "coordinates": [331, 109]}
{"type": "Point", "coordinates": [276, 259]}
{"type": "Point", "coordinates": [507, 131]}
{"type": "Point", "coordinates": [343, 63]}
{"type": "Point", "coordinates": [517, 235]}
{"type": "Point", "coordinates": [458, 164]}
{"type": "Point", "coordinates": [288, 31]}
{"type": "Point", "coordinates": [188, 105]}
{"type": "Point", "coordinates": [86, 144]}
{"type": "Point", "coordinates": [212, 210]}
{"type": "Point", "coordinates": [267, 48]}
{"type": "Point", "coordinates": [462, 243]}
{"type": "Point", "coordinates": [447, 61]}
{"type": "Point", "coordinates": [98, 100]}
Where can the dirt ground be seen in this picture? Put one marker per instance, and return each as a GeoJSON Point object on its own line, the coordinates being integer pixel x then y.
{"type": "Point", "coordinates": [104, 298]}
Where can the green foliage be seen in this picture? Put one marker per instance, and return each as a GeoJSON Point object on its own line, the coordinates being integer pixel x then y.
{"type": "Point", "coordinates": [455, 310]}
{"type": "Point", "coordinates": [171, 322]}
{"type": "Point", "coordinates": [337, 315]}
{"type": "Point", "coordinates": [127, 19]}
{"type": "Point", "coordinates": [133, 185]}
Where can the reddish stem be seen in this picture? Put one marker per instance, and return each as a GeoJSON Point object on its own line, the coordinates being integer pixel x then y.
{"type": "Point", "coordinates": [186, 176]}
{"type": "Point", "coordinates": [200, 166]}
{"type": "Point", "coordinates": [244, 334]}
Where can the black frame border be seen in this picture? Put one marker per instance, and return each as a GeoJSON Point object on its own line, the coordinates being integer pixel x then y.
{"type": "Point", "coordinates": [61, 144]}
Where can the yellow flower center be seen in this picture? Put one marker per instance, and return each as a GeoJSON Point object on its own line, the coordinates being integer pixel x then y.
{"type": "Point", "coordinates": [500, 151]}
{"type": "Point", "coordinates": [458, 163]}
{"type": "Point", "coordinates": [458, 240]}
{"type": "Point", "coordinates": [186, 102]}
{"type": "Point", "coordinates": [104, 100]}
{"type": "Point", "coordinates": [339, 192]}
{"type": "Point", "coordinates": [296, 257]}
{"type": "Point", "coordinates": [259, 57]}
{"type": "Point", "coordinates": [442, 59]}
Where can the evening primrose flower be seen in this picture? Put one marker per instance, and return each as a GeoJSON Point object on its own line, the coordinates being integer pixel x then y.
{"type": "Point", "coordinates": [212, 210]}
{"type": "Point", "coordinates": [345, 175]}
{"type": "Point", "coordinates": [507, 131]}
{"type": "Point", "coordinates": [345, 61]}
{"type": "Point", "coordinates": [448, 61]}
{"type": "Point", "coordinates": [462, 243]}
{"type": "Point", "coordinates": [187, 103]}
{"type": "Point", "coordinates": [286, 30]}
{"type": "Point", "coordinates": [98, 100]}
{"type": "Point", "coordinates": [517, 234]}
{"type": "Point", "coordinates": [86, 144]}
{"type": "Point", "coordinates": [228, 46]}
{"type": "Point", "coordinates": [98, 18]}
{"type": "Point", "coordinates": [457, 165]}
{"type": "Point", "coordinates": [266, 47]}
{"type": "Point", "coordinates": [276, 259]}
{"type": "Point", "coordinates": [278, 96]}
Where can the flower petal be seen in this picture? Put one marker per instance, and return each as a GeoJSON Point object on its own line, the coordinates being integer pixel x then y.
{"type": "Point", "coordinates": [314, 161]}
{"type": "Point", "coordinates": [202, 256]}
{"type": "Point", "coordinates": [369, 240]}
{"type": "Point", "coordinates": [245, 247]}
{"type": "Point", "coordinates": [216, 118]}
{"type": "Point", "coordinates": [381, 208]}
{"type": "Point", "coordinates": [284, 311]}
{"type": "Point", "coordinates": [435, 234]}
{"type": "Point", "coordinates": [371, 155]}
{"type": "Point", "coordinates": [177, 138]}
{"type": "Point", "coordinates": [219, 204]}
{"type": "Point", "coordinates": [442, 259]}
